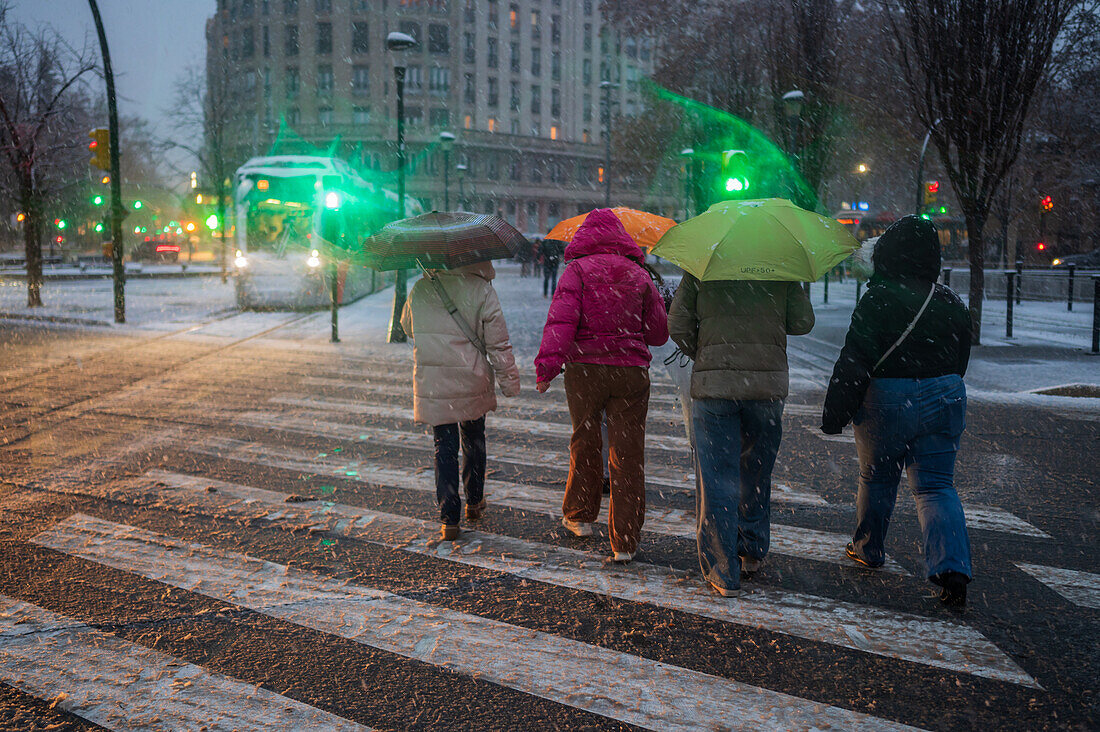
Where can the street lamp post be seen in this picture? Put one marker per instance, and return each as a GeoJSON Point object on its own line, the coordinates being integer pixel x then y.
{"type": "Point", "coordinates": [607, 86]}
{"type": "Point", "coordinates": [461, 168]}
{"type": "Point", "coordinates": [793, 101]}
{"type": "Point", "coordinates": [687, 154]}
{"type": "Point", "coordinates": [920, 167]}
{"type": "Point", "coordinates": [447, 140]}
{"type": "Point", "coordinates": [397, 41]}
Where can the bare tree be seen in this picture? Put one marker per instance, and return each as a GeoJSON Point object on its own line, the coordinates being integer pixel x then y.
{"type": "Point", "coordinates": [42, 112]}
{"type": "Point", "coordinates": [972, 69]}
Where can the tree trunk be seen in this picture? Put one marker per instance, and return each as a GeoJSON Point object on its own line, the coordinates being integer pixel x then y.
{"type": "Point", "coordinates": [976, 253]}
{"type": "Point", "coordinates": [32, 255]}
{"type": "Point", "coordinates": [221, 233]}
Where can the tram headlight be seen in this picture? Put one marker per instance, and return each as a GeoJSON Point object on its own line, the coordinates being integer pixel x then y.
{"type": "Point", "coordinates": [241, 261]}
{"type": "Point", "coordinates": [314, 259]}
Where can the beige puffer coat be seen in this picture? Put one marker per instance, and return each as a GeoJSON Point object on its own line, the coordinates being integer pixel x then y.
{"type": "Point", "coordinates": [452, 381]}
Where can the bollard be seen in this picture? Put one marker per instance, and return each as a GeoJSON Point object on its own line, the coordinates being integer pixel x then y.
{"type": "Point", "coordinates": [1019, 279]}
{"type": "Point", "coordinates": [1096, 313]}
{"type": "Point", "coordinates": [826, 288]}
{"type": "Point", "coordinates": [1069, 288]}
{"type": "Point", "coordinates": [1008, 303]}
{"type": "Point", "coordinates": [947, 277]}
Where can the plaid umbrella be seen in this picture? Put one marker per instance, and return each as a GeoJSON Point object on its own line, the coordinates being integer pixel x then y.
{"type": "Point", "coordinates": [442, 240]}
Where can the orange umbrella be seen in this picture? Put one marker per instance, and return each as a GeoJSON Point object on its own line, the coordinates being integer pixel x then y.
{"type": "Point", "coordinates": [645, 228]}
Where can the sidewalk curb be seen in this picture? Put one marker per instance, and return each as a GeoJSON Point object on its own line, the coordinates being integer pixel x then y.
{"type": "Point", "coordinates": [55, 319]}
{"type": "Point", "coordinates": [106, 275]}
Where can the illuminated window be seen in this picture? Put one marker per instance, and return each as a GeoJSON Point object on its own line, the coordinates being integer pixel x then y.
{"type": "Point", "coordinates": [513, 15]}
{"type": "Point", "coordinates": [468, 122]}
{"type": "Point", "coordinates": [553, 132]}
{"type": "Point", "coordinates": [599, 174]}
{"type": "Point", "coordinates": [492, 124]}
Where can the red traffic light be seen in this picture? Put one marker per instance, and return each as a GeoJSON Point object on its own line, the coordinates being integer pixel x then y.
{"type": "Point", "coordinates": [933, 186]}
{"type": "Point", "coordinates": [1040, 246]}
{"type": "Point", "coordinates": [1047, 203]}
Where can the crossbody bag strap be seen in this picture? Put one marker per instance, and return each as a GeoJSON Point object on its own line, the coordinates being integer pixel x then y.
{"type": "Point", "coordinates": [449, 304]}
{"type": "Point", "coordinates": [905, 334]}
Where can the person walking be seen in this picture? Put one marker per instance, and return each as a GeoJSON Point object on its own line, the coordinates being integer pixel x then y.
{"type": "Point", "coordinates": [604, 315]}
{"type": "Point", "coordinates": [453, 377]}
{"type": "Point", "coordinates": [550, 261]}
{"type": "Point", "coordinates": [899, 378]}
{"type": "Point", "coordinates": [736, 334]}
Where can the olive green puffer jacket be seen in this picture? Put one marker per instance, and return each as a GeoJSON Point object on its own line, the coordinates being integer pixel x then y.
{"type": "Point", "coordinates": [736, 331]}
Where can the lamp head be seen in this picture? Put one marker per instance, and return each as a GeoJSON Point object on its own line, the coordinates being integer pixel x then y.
{"type": "Point", "coordinates": [398, 41]}
{"type": "Point", "coordinates": [447, 139]}
{"type": "Point", "coordinates": [792, 103]}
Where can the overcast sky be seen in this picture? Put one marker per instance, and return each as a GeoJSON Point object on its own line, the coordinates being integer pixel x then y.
{"type": "Point", "coordinates": [151, 42]}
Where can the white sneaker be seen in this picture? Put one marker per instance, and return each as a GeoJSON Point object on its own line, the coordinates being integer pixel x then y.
{"type": "Point", "coordinates": [578, 528]}
{"type": "Point", "coordinates": [623, 557]}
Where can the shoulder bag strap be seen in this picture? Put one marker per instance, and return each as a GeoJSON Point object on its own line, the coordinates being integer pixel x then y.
{"type": "Point", "coordinates": [912, 324]}
{"type": "Point", "coordinates": [449, 304]}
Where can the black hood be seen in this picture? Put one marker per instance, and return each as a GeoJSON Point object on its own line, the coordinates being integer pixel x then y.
{"type": "Point", "coordinates": [909, 249]}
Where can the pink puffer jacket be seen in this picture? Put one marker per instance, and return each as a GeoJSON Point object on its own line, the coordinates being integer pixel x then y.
{"type": "Point", "coordinates": [606, 310]}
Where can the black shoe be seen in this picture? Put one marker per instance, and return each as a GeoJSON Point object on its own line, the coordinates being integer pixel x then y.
{"type": "Point", "coordinates": [850, 552]}
{"type": "Point", "coordinates": [606, 486]}
{"type": "Point", "coordinates": [954, 584]}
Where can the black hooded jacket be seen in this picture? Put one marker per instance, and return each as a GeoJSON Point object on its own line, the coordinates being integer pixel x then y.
{"type": "Point", "coordinates": [907, 264]}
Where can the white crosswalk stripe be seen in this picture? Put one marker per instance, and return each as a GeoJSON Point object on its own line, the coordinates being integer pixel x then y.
{"type": "Point", "coordinates": [1080, 588]}
{"type": "Point", "coordinates": [796, 541]}
{"type": "Point", "coordinates": [528, 456]}
{"type": "Point", "coordinates": [125, 686]}
{"type": "Point", "coordinates": [887, 633]}
{"type": "Point", "coordinates": [631, 689]}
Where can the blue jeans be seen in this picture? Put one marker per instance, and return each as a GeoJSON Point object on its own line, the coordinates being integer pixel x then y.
{"type": "Point", "coordinates": [735, 447]}
{"type": "Point", "coordinates": [913, 424]}
{"type": "Point", "coordinates": [446, 466]}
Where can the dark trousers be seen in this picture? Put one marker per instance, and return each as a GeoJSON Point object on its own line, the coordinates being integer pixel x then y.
{"type": "Point", "coordinates": [622, 393]}
{"type": "Point", "coordinates": [549, 279]}
{"type": "Point", "coordinates": [446, 466]}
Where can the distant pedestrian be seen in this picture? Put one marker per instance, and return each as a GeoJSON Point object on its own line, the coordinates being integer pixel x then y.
{"type": "Point", "coordinates": [551, 259]}
{"type": "Point", "coordinates": [899, 379]}
{"type": "Point", "coordinates": [604, 315]}
{"type": "Point", "coordinates": [736, 333]}
{"type": "Point", "coordinates": [453, 378]}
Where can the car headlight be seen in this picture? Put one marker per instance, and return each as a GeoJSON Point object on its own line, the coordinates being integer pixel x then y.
{"type": "Point", "coordinates": [314, 259]}
{"type": "Point", "coordinates": [1056, 262]}
{"type": "Point", "coordinates": [241, 261]}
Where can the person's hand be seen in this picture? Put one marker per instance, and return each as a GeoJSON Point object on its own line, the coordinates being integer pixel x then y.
{"type": "Point", "coordinates": [542, 386]}
{"type": "Point", "coordinates": [831, 429]}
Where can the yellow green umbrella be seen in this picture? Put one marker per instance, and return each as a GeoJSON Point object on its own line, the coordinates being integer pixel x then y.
{"type": "Point", "coordinates": [767, 239]}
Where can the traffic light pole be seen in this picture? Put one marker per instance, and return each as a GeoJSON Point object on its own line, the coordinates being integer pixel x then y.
{"type": "Point", "coordinates": [920, 168]}
{"type": "Point", "coordinates": [397, 333]}
{"type": "Point", "coordinates": [116, 178]}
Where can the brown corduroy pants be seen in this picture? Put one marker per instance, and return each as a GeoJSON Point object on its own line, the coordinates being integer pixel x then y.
{"type": "Point", "coordinates": [622, 392]}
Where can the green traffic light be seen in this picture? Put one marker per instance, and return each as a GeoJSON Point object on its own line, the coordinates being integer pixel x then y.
{"type": "Point", "coordinates": [212, 221]}
{"type": "Point", "coordinates": [61, 224]}
{"type": "Point", "coordinates": [332, 200]}
{"type": "Point", "coordinates": [926, 217]}
{"type": "Point", "coordinates": [734, 185]}
{"type": "Point", "coordinates": [99, 227]}
{"type": "Point", "coordinates": [97, 200]}
{"type": "Point", "coordinates": [138, 204]}
{"type": "Point", "coordinates": [943, 209]}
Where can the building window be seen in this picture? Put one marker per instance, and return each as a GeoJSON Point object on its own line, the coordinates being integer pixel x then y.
{"type": "Point", "coordinates": [291, 39]}
{"type": "Point", "coordinates": [469, 12]}
{"type": "Point", "coordinates": [324, 80]}
{"type": "Point", "coordinates": [587, 37]}
{"type": "Point", "coordinates": [533, 210]}
{"type": "Point", "coordinates": [553, 132]}
{"type": "Point", "coordinates": [494, 13]}
{"type": "Point", "coordinates": [292, 82]}
{"type": "Point", "coordinates": [586, 107]}
{"type": "Point", "coordinates": [536, 99]}
{"type": "Point", "coordinates": [414, 116]}
{"type": "Point", "coordinates": [360, 115]}
{"type": "Point", "coordinates": [631, 48]}
{"type": "Point", "coordinates": [586, 71]}
{"type": "Point", "coordinates": [265, 6]}
{"type": "Point", "coordinates": [585, 136]}
{"type": "Point", "coordinates": [492, 168]}
{"type": "Point", "coordinates": [248, 43]}
{"type": "Point", "coordinates": [535, 30]}
{"type": "Point", "coordinates": [555, 66]}
{"type": "Point", "coordinates": [536, 62]}
{"type": "Point", "coordinates": [491, 53]}
{"type": "Point", "coordinates": [513, 16]}
{"type": "Point", "coordinates": [514, 125]}
{"type": "Point", "coordinates": [414, 81]}
{"type": "Point", "coordinates": [494, 92]}
{"type": "Point", "coordinates": [515, 172]}
{"type": "Point", "coordinates": [469, 91]}
{"type": "Point", "coordinates": [360, 37]}
{"type": "Point", "coordinates": [290, 7]}
{"type": "Point", "coordinates": [266, 42]}
{"type": "Point", "coordinates": [468, 122]}
{"type": "Point", "coordinates": [324, 38]}
{"type": "Point", "coordinates": [439, 118]}
{"type": "Point", "coordinates": [360, 80]}
{"type": "Point", "coordinates": [411, 29]}
{"type": "Point", "coordinates": [492, 126]}
{"type": "Point", "coordinates": [588, 7]}
{"type": "Point", "coordinates": [439, 80]}
{"type": "Point", "coordinates": [514, 61]}
{"type": "Point", "coordinates": [555, 102]}
{"type": "Point", "coordinates": [322, 6]}
{"type": "Point", "coordinates": [293, 116]}
{"type": "Point", "coordinates": [324, 116]}
{"type": "Point", "coordinates": [439, 39]}
{"type": "Point", "coordinates": [513, 103]}
{"type": "Point", "coordinates": [469, 47]}
{"type": "Point", "coordinates": [555, 29]}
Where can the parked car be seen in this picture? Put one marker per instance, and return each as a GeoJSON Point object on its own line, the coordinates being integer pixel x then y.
{"type": "Point", "coordinates": [1088, 259]}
